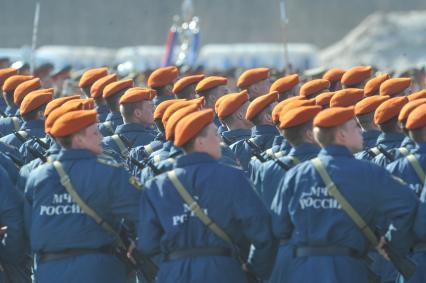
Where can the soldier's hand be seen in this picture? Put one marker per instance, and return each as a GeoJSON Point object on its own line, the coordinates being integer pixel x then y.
{"type": "Point", "coordinates": [381, 248]}
{"type": "Point", "coordinates": [130, 250]}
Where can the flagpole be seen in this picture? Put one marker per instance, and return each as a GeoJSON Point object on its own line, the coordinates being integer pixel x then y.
{"type": "Point", "coordinates": [284, 23]}
{"type": "Point", "coordinates": [34, 39]}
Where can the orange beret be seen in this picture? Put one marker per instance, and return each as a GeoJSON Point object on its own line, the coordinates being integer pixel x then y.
{"type": "Point", "coordinates": [231, 103]}
{"type": "Point", "coordinates": [369, 104]}
{"type": "Point", "coordinates": [189, 126]}
{"type": "Point", "coordinates": [175, 107]}
{"type": "Point", "coordinates": [84, 103]}
{"type": "Point", "coordinates": [73, 122]}
{"type": "Point", "coordinates": [162, 107]}
{"type": "Point", "coordinates": [285, 84]}
{"type": "Point", "coordinates": [389, 109]}
{"type": "Point", "coordinates": [323, 99]}
{"type": "Point", "coordinates": [417, 118]}
{"type": "Point", "coordinates": [34, 100]}
{"type": "Point", "coordinates": [55, 103]}
{"type": "Point", "coordinates": [298, 116]}
{"type": "Point", "coordinates": [278, 108]}
{"type": "Point", "coordinates": [70, 105]}
{"type": "Point", "coordinates": [408, 108]}
{"type": "Point", "coordinates": [24, 88]}
{"type": "Point", "coordinates": [137, 94]}
{"type": "Point", "coordinates": [314, 87]}
{"type": "Point", "coordinates": [186, 81]}
{"type": "Point", "coordinates": [346, 97]}
{"type": "Point", "coordinates": [210, 82]}
{"type": "Point", "coordinates": [98, 87]}
{"type": "Point", "coordinates": [252, 76]}
{"type": "Point", "coordinates": [394, 86]}
{"type": "Point", "coordinates": [163, 76]}
{"type": "Point", "coordinates": [297, 104]}
{"type": "Point", "coordinates": [219, 100]}
{"type": "Point", "coordinates": [356, 75]}
{"type": "Point", "coordinates": [417, 95]}
{"type": "Point", "coordinates": [6, 73]}
{"type": "Point", "coordinates": [333, 75]}
{"type": "Point", "coordinates": [372, 87]}
{"type": "Point", "coordinates": [176, 117]}
{"type": "Point", "coordinates": [260, 103]}
{"type": "Point", "coordinates": [333, 117]}
{"type": "Point", "coordinates": [91, 76]}
{"type": "Point", "coordinates": [116, 87]}
{"type": "Point", "coordinates": [199, 100]}
{"type": "Point", "coordinates": [12, 82]}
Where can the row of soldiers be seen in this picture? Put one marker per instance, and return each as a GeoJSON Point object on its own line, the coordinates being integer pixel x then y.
{"type": "Point", "coordinates": [267, 184]}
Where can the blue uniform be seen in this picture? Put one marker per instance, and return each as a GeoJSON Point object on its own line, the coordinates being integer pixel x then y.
{"type": "Point", "coordinates": [102, 111]}
{"type": "Point", "coordinates": [141, 154]}
{"type": "Point", "coordinates": [396, 153]}
{"type": "Point", "coordinates": [11, 110]}
{"type": "Point", "coordinates": [387, 141]}
{"type": "Point", "coordinates": [58, 224]}
{"type": "Point", "coordinates": [305, 213]}
{"type": "Point", "coordinates": [112, 120]}
{"type": "Point", "coordinates": [370, 138]}
{"type": "Point", "coordinates": [166, 225]}
{"type": "Point", "coordinates": [420, 232]}
{"type": "Point", "coordinates": [262, 135]}
{"type": "Point", "coordinates": [232, 136]}
{"type": "Point", "coordinates": [12, 153]}
{"type": "Point", "coordinates": [14, 248]}
{"type": "Point", "coordinates": [11, 168]}
{"type": "Point", "coordinates": [9, 125]}
{"type": "Point", "coordinates": [33, 128]}
{"type": "Point", "coordinates": [29, 148]}
{"type": "Point", "coordinates": [135, 134]}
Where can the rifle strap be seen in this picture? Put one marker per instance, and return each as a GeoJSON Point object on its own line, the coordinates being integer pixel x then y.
{"type": "Point", "coordinates": [66, 182]}
{"type": "Point", "coordinates": [196, 209]}
{"type": "Point", "coordinates": [15, 121]}
{"type": "Point", "coordinates": [375, 150]}
{"type": "Point", "coordinates": [417, 167]}
{"type": "Point", "coordinates": [119, 142]}
{"type": "Point", "coordinates": [346, 206]}
{"type": "Point", "coordinates": [148, 148]}
{"type": "Point", "coordinates": [108, 125]}
{"type": "Point", "coordinates": [404, 151]}
{"type": "Point", "coordinates": [294, 159]}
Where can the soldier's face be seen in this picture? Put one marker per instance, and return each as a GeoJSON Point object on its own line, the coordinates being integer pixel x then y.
{"type": "Point", "coordinates": [147, 112]}
{"type": "Point", "coordinates": [211, 142]}
{"type": "Point", "coordinates": [90, 139]}
{"type": "Point", "coordinates": [353, 136]}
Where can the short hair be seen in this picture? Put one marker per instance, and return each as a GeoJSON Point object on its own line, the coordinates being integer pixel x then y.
{"type": "Point", "coordinates": [112, 100]}
{"type": "Point", "coordinates": [189, 146]}
{"type": "Point", "coordinates": [365, 120]}
{"type": "Point", "coordinates": [127, 109]}
{"type": "Point", "coordinates": [32, 115]}
{"type": "Point", "coordinates": [207, 92]}
{"type": "Point", "coordinates": [65, 142]}
{"type": "Point", "coordinates": [186, 92]}
{"type": "Point", "coordinates": [417, 135]}
{"type": "Point", "coordinates": [296, 135]}
{"type": "Point", "coordinates": [325, 136]}
{"type": "Point", "coordinates": [256, 119]}
{"type": "Point", "coordinates": [86, 90]}
{"type": "Point", "coordinates": [160, 90]}
{"type": "Point", "coordinates": [389, 126]}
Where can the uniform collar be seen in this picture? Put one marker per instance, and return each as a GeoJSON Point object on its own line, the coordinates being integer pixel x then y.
{"type": "Point", "coordinates": [261, 130]}
{"type": "Point", "coordinates": [113, 116]}
{"type": "Point", "coordinates": [278, 140]}
{"type": "Point", "coordinates": [101, 108]}
{"type": "Point", "coordinates": [370, 134]}
{"type": "Point", "coordinates": [336, 150]}
{"type": "Point", "coordinates": [160, 137]}
{"type": "Point", "coordinates": [54, 148]}
{"type": "Point", "coordinates": [304, 148]}
{"type": "Point", "coordinates": [131, 127]}
{"type": "Point", "coordinates": [11, 110]}
{"type": "Point", "coordinates": [193, 158]}
{"type": "Point", "coordinates": [420, 148]}
{"type": "Point", "coordinates": [408, 143]}
{"type": "Point", "coordinates": [33, 124]}
{"type": "Point", "coordinates": [389, 138]}
{"type": "Point", "coordinates": [74, 154]}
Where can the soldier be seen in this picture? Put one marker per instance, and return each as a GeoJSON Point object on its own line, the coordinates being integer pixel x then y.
{"type": "Point", "coordinates": [4, 74]}
{"type": "Point", "coordinates": [196, 253]}
{"type": "Point", "coordinates": [184, 88]}
{"type": "Point", "coordinates": [346, 97]}
{"type": "Point", "coordinates": [313, 88]}
{"type": "Point", "coordinates": [89, 77]}
{"type": "Point", "coordinates": [334, 75]}
{"type": "Point", "coordinates": [396, 87]}
{"type": "Point", "coordinates": [255, 81]}
{"type": "Point", "coordinates": [356, 77]}
{"type": "Point", "coordinates": [96, 91]}
{"type": "Point", "coordinates": [161, 80]}
{"type": "Point", "coordinates": [112, 93]}
{"type": "Point", "coordinates": [137, 111]}
{"type": "Point", "coordinates": [324, 99]}
{"type": "Point", "coordinates": [263, 132]}
{"type": "Point", "coordinates": [231, 111]}
{"type": "Point", "coordinates": [372, 87]}
{"type": "Point", "coordinates": [70, 246]}
{"type": "Point", "coordinates": [287, 87]}
{"type": "Point", "coordinates": [334, 247]}
{"type": "Point", "coordinates": [32, 112]}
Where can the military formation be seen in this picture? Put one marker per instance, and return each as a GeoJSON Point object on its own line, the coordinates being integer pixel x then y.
{"type": "Point", "coordinates": [187, 177]}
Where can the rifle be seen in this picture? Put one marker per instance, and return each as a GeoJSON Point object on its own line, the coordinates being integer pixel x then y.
{"type": "Point", "coordinates": [255, 150]}
{"type": "Point", "coordinates": [31, 149]}
{"type": "Point", "coordinates": [386, 153]}
{"type": "Point", "coordinates": [137, 163]}
{"type": "Point", "coordinates": [142, 262]}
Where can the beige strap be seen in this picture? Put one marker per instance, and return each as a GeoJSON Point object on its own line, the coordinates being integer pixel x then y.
{"type": "Point", "coordinates": [157, 158]}
{"type": "Point", "coordinates": [15, 121]}
{"type": "Point", "coordinates": [108, 125]}
{"type": "Point", "coordinates": [346, 206]}
{"type": "Point", "coordinates": [294, 159]}
{"type": "Point", "coordinates": [196, 209]}
{"type": "Point", "coordinates": [148, 148]}
{"type": "Point", "coordinates": [279, 154]}
{"type": "Point", "coordinates": [417, 167]}
{"type": "Point", "coordinates": [123, 149]}
{"type": "Point", "coordinates": [375, 150]}
{"type": "Point", "coordinates": [269, 152]}
{"type": "Point", "coordinates": [66, 182]}
{"type": "Point", "coordinates": [404, 151]}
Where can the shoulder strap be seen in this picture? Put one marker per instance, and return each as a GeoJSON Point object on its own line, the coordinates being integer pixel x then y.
{"type": "Point", "coordinates": [123, 149]}
{"type": "Point", "coordinates": [66, 182]}
{"type": "Point", "coordinates": [269, 152]}
{"type": "Point", "coordinates": [15, 121]}
{"type": "Point", "coordinates": [196, 209]}
{"type": "Point", "coordinates": [148, 148]}
{"type": "Point", "coordinates": [157, 158]}
{"type": "Point", "coordinates": [294, 159]}
{"type": "Point", "coordinates": [375, 150]}
{"type": "Point", "coordinates": [108, 125]}
{"type": "Point", "coordinates": [417, 167]}
{"type": "Point", "coordinates": [346, 206]}
{"type": "Point", "coordinates": [404, 151]}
